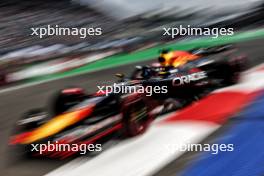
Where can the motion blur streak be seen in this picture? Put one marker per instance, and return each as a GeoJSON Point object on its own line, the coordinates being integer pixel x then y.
{"type": "Point", "coordinates": [126, 8]}
{"type": "Point", "coordinates": [147, 154]}
{"type": "Point", "coordinates": [142, 155]}
{"type": "Point", "coordinates": [248, 157]}
{"type": "Point", "coordinates": [33, 70]}
{"type": "Point", "coordinates": [92, 140]}
{"type": "Point", "coordinates": [224, 102]}
{"type": "Point", "coordinates": [215, 108]}
{"type": "Point", "coordinates": [56, 124]}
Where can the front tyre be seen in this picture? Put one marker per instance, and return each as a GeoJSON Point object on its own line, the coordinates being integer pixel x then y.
{"type": "Point", "coordinates": [136, 117]}
{"type": "Point", "coordinates": [66, 99]}
{"type": "Point", "coordinates": [32, 119]}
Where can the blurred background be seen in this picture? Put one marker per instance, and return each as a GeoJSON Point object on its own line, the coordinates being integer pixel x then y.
{"type": "Point", "coordinates": [127, 27]}
{"type": "Point", "coordinates": [132, 35]}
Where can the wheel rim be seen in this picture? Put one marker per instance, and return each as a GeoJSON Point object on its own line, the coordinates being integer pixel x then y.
{"type": "Point", "coordinates": [138, 120]}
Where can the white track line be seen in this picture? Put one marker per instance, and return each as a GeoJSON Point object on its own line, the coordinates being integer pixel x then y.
{"type": "Point", "coordinates": [142, 155]}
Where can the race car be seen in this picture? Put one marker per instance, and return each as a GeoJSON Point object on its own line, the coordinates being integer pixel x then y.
{"type": "Point", "coordinates": [221, 63]}
{"type": "Point", "coordinates": [79, 118]}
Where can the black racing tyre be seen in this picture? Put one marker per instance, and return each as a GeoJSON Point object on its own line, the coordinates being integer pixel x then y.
{"type": "Point", "coordinates": [233, 67]}
{"type": "Point", "coordinates": [230, 74]}
{"type": "Point", "coordinates": [32, 119]}
{"type": "Point", "coordinates": [136, 117]}
{"type": "Point", "coordinates": [65, 99]}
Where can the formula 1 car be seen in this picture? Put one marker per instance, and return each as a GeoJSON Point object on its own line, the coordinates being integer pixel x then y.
{"type": "Point", "coordinates": [81, 119]}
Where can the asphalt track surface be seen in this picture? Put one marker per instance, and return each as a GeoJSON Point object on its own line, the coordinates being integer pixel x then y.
{"type": "Point", "coordinates": [16, 102]}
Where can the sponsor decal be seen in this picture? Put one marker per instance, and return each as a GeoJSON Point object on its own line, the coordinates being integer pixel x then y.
{"type": "Point", "coordinates": [187, 79]}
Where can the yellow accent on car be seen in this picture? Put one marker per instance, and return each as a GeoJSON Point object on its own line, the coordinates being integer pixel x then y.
{"type": "Point", "coordinates": [56, 124]}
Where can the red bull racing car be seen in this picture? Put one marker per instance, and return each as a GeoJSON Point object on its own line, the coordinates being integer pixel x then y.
{"type": "Point", "coordinates": [80, 118]}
